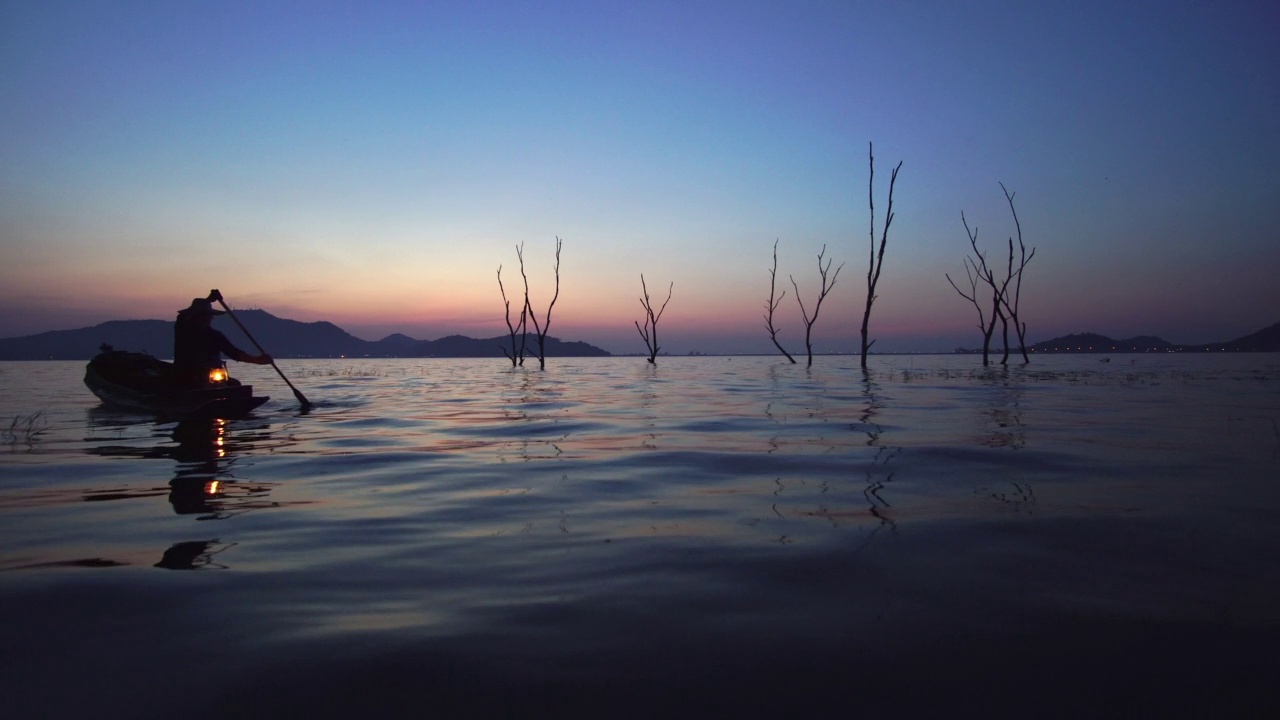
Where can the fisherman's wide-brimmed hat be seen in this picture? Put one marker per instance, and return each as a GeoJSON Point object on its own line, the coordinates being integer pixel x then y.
{"type": "Point", "coordinates": [200, 306]}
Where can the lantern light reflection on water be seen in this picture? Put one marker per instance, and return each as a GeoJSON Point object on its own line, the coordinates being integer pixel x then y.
{"type": "Point", "coordinates": [220, 437]}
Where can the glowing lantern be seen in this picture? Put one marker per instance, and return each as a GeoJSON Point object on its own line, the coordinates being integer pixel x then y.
{"type": "Point", "coordinates": [217, 375]}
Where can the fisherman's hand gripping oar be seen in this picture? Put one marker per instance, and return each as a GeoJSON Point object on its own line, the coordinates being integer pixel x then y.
{"type": "Point", "coordinates": [215, 295]}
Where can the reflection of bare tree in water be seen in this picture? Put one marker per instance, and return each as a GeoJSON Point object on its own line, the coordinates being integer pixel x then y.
{"type": "Point", "coordinates": [515, 410]}
{"type": "Point", "coordinates": [776, 387]}
{"type": "Point", "coordinates": [527, 402]}
{"type": "Point", "coordinates": [878, 473]}
{"type": "Point", "coordinates": [871, 410]}
{"type": "Point", "coordinates": [1016, 495]}
{"type": "Point", "coordinates": [1003, 412]}
{"type": "Point", "coordinates": [649, 394]}
{"type": "Point", "coordinates": [828, 498]}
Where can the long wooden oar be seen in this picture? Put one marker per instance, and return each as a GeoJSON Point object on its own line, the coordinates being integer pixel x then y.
{"type": "Point", "coordinates": [306, 404]}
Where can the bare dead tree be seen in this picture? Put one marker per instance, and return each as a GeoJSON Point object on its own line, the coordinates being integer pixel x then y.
{"type": "Point", "coordinates": [978, 272]}
{"type": "Point", "coordinates": [827, 284]}
{"type": "Point", "coordinates": [773, 305]}
{"type": "Point", "coordinates": [524, 310]}
{"type": "Point", "coordinates": [877, 259]}
{"type": "Point", "coordinates": [540, 330]}
{"type": "Point", "coordinates": [1011, 303]}
{"type": "Point", "coordinates": [650, 330]}
{"type": "Point", "coordinates": [516, 354]}
{"type": "Point", "coordinates": [973, 272]}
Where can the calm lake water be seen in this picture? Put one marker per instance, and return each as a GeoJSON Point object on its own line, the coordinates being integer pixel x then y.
{"type": "Point", "coordinates": [607, 538]}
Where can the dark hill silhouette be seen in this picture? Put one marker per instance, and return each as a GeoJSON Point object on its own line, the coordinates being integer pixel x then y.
{"type": "Point", "coordinates": [1093, 342]}
{"type": "Point", "coordinates": [281, 337]}
{"type": "Point", "coordinates": [290, 338]}
{"type": "Point", "coordinates": [397, 340]}
{"type": "Point", "coordinates": [1264, 340]}
{"type": "Point", "coordinates": [150, 336]}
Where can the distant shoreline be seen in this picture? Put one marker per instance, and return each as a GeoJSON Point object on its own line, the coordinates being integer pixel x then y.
{"type": "Point", "coordinates": [291, 339]}
{"type": "Point", "coordinates": [994, 353]}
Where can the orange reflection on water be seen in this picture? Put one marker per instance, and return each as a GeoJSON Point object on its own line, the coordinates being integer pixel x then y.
{"type": "Point", "coordinates": [220, 438]}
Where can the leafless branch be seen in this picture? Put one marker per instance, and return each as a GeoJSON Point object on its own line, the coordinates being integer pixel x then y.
{"type": "Point", "coordinates": [978, 271]}
{"type": "Point", "coordinates": [516, 354]}
{"type": "Point", "coordinates": [773, 305]}
{"type": "Point", "coordinates": [1011, 305]}
{"type": "Point", "coordinates": [826, 286]}
{"type": "Point", "coordinates": [540, 330]}
{"type": "Point", "coordinates": [876, 260]}
{"type": "Point", "coordinates": [650, 330]}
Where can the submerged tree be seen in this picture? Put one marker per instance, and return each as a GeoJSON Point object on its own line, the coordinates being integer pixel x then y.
{"type": "Point", "coordinates": [772, 305]}
{"type": "Point", "coordinates": [540, 330]}
{"type": "Point", "coordinates": [516, 354]}
{"type": "Point", "coordinates": [877, 259]}
{"type": "Point", "coordinates": [650, 330]}
{"type": "Point", "coordinates": [978, 272]}
{"type": "Point", "coordinates": [826, 286]}
{"type": "Point", "coordinates": [1011, 303]}
{"type": "Point", "coordinates": [1004, 299]}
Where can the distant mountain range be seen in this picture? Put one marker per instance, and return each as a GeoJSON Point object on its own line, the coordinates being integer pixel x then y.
{"type": "Point", "coordinates": [1265, 340]}
{"type": "Point", "coordinates": [280, 337]}
{"type": "Point", "coordinates": [293, 339]}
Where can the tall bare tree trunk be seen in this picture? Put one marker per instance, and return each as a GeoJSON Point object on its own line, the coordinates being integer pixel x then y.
{"type": "Point", "coordinates": [540, 330]}
{"type": "Point", "coordinates": [1011, 305]}
{"type": "Point", "coordinates": [877, 259]}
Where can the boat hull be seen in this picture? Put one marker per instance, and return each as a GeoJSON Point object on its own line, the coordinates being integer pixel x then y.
{"type": "Point", "coordinates": [141, 383]}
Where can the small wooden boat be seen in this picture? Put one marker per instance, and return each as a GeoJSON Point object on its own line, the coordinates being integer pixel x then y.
{"type": "Point", "coordinates": [137, 381]}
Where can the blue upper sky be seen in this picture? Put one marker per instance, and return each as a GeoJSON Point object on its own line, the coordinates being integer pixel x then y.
{"type": "Point", "coordinates": [375, 163]}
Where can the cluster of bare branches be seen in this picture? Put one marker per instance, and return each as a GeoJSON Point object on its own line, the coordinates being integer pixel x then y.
{"type": "Point", "coordinates": [827, 284]}
{"type": "Point", "coordinates": [520, 328]}
{"type": "Point", "coordinates": [650, 329]}
{"type": "Point", "coordinates": [540, 330]}
{"type": "Point", "coordinates": [1005, 293]}
{"type": "Point", "coordinates": [877, 259]}
{"type": "Point", "coordinates": [1003, 308]}
{"type": "Point", "coordinates": [876, 262]}
{"type": "Point", "coordinates": [1023, 258]}
{"type": "Point", "coordinates": [516, 354]}
{"type": "Point", "coordinates": [773, 303]}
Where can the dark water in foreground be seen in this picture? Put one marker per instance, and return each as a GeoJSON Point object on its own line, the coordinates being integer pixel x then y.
{"type": "Point", "coordinates": [606, 538]}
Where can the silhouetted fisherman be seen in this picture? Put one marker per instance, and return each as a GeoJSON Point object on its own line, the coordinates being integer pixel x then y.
{"type": "Point", "coordinates": [198, 348]}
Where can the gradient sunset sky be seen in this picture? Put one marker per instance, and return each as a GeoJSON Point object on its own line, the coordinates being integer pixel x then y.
{"type": "Point", "coordinates": [373, 164]}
